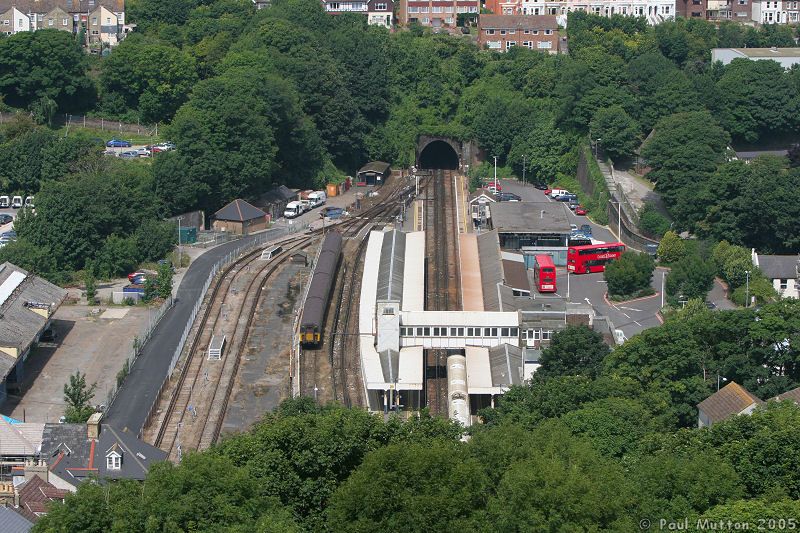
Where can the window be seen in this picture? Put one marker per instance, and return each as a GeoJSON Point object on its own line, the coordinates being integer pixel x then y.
{"type": "Point", "coordinates": [527, 44]}
{"type": "Point", "coordinates": [91, 2]}
{"type": "Point", "coordinates": [784, 284]}
{"type": "Point", "coordinates": [113, 461]}
{"type": "Point", "coordinates": [108, 20]}
{"type": "Point", "coordinates": [424, 9]}
{"type": "Point", "coordinates": [512, 32]}
{"type": "Point", "coordinates": [515, 332]}
{"type": "Point", "coordinates": [426, 20]}
{"type": "Point", "coordinates": [504, 332]}
{"type": "Point", "coordinates": [453, 332]}
{"type": "Point", "coordinates": [510, 44]}
{"type": "Point", "coordinates": [20, 22]}
{"type": "Point", "coordinates": [460, 332]}
{"type": "Point", "coordinates": [65, 22]}
{"type": "Point", "coordinates": [94, 21]}
{"type": "Point", "coordinates": [448, 9]}
{"type": "Point", "coordinates": [544, 45]}
{"type": "Point", "coordinates": [494, 332]}
{"type": "Point", "coordinates": [435, 332]}
{"type": "Point", "coordinates": [436, 9]}
{"type": "Point", "coordinates": [6, 22]}
{"type": "Point", "coordinates": [380, 7]}
{"type": "Point", "coordinates": [419, 332]}
{"type": "Point", "coordinates": [546, 335]}
{"type": "Point", "coordinates": [535, 32]}
{"type": "Point", "coordinates": [413, 10]}
{"type": "Point", "coordinates": [50, 22]}
{"type": "Point", "coordinates": [548, 32]}
{"type": "Point", "coordinates": [426, 332]}
{"type": "Point", "coordinates": [448, 20]}
{"type": "Point", "coordinates": [489, 32]}
{"type": "Point", "coordinates": [502, 32]}
{"type": "Point", "coordinates": [95, 32]}
{"type": "Point", "coordinates": [524, 334]}
{"type": "Point", "coordinates": [527, 32]}
{"type": "Point", "coordinates": [487, 332]}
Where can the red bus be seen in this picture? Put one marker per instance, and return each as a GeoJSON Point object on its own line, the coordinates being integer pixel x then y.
{"type": "Point", "coordinates": [544, 273]}
{"type": "Point", "coordinates": [593, 257]}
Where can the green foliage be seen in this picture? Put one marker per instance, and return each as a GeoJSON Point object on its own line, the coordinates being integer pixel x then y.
{"type": "Point", "coordinates": [91, 289]}
{"type": "Point", "coordinates": [652, 222]}
{"type": "Point", "coordinates": [690, 277]}
{"type": "Point", "coordinates": [77, 395]}
{"type": "Point", "coordinates": [164, 280]}
{"type": "Point", "coordinates": [45, 64]}
{"type": "Point", "coordinates": [671, 248]}
{"type": "Point", "coordinates": [618, 132]}
{"type": "Point", "coordinates": [630, 275]}
{"type": "Point", "coordinates": [574, 351]}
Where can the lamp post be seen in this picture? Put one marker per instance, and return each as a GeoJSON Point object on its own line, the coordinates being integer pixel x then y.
{"type": "Point", "coordinates": [747, 289]}
{"type": "Point", "coordinates": [720, 378]}
{"type": "Point", "coordinates": [495, 173]}
{"type": "Point", "coordinates": [523, 170]}
{"type": "Point", "coordinates": [619, 219]}
{"type": "Point", "coordinates": [596, 144]}
{"type": "Point", "coordinates": [180, 254]}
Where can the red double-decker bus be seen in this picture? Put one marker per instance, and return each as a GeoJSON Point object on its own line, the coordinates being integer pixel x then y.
{"type": "Point", "coordinates": [592, 257]}
{"type": "Point", "coordinates": [544, 273]}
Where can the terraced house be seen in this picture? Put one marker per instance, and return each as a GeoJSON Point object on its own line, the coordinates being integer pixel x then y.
{"type": "Point", "coordinates": [102, 20]}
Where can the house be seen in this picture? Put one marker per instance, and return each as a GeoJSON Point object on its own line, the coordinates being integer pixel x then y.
{"type": "Point", "coordinates": [749, 155]}
{"type": "Point", "coordinates": [378, 12]}
{"type": "Point", "coordinates": [691, 9]}
{"type": "Point", "coordinates": [13, 522]}
{"type": "Point", "coordinates": [782, 270]}
{"type": "Point", "coordinates": [479, 206]}
{"type": "Point", "coordinates": [787, 57]}
{"type": "Point", "coordinates": [27, 305]}
{"type": "Point", "coordinates": [274, 201]}
{"type": "Point", "coordinates": [502, 32]}
{"type": "Point", "coordinates": [78, 452]}
{"type": "Point", "coordinates": [102, 20]}
{"type": "Point", "coordinates": [32, 497]}
{"type": "Point", "coordinates": [436, 14]}
{"type": "Point", "coordinates": [775, 12]}
{"type": "Point", "coordinates": [793, 395]}
{"type": "Point", "coordinates": [654, 11]}
{"type": "Point", "coordinates": [240, 218]}
{"type": "Point", "coordinates": [730, 400]}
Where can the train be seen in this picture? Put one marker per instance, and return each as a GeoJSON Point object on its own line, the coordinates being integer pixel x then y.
{"type": "Point", "coordinates": [312, 321]}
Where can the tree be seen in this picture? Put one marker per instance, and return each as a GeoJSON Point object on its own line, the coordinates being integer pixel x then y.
{"type": "Point", "coordinates": [77, 395]}
{"type": "Point", "coordinates": [794, 156]}
{"type": "Point", "coordinates": [44, 64]}
{"type": "Point", "coordinates": [151, 289]}
{"type": "Point", "coordinates": [617, 130]}
{"type": "Point", "coordinates": [671, 248]}
{"type": "Point", "coordinates": [630, 275]}
{"type": "Point", "coordinates": [690, 277]}
{"type": "Point", "coordinates": [652, 222]}
{"type": "Point", "coordinates": [576, 350]}
{"type": "Point", "coordinates": [91, 289]}
{"type": "Point", "coordinates": [164, 280]}
{"type": "Point", "coordinates": [373, 498]}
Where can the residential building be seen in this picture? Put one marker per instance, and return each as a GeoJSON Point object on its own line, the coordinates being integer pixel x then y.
{"type": "Point", "coordinates": [503, 32]}
{"type": "Point", "coordinates": [654, 11]}
{"type": "Point", "coordinates": [782, 270]}
{"type": "Point", "coordinates": [240, 218]}
{"type": "Point", "coordinates": [775, 11]}
{"type": "Point", "coordinates": [103, 20]}
{"type": "Point", "coordinates": [27, 305]}
{"type": "Point", "coordinates": [13, 522]}
{"type": "Point", "coordinates": [691, 9]}
{"type": "Point", "coordinates": [787, 57]}
{"type": "Point", "coordinates": [436, 13]}
{"type": "Point", "coordinates": [32, 497]}
{"type": "Point", "coordinates": [793, 395]}
{"type": "Point", "coordinates": [378, 12]}
{"type": "Point", "coordinates": [730, 400]}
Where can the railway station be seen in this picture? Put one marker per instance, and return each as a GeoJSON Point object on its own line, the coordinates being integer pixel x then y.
{"type": "Point", "coordinates": [533, 228]}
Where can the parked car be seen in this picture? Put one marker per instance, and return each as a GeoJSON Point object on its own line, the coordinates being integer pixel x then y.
{"type": "Point", "coordinates": [586, 229]}
{"type": "Point", "coordinates": [130, 154]}
{"type": "Point", "coordinates": [541, 187]}
{"type": "Point", "coordinates": [508, 197]}
{"type": "Point", "coordinates": [140, 274]}
{"type": "Point", "coordinates": [580, 210]}
{"type": "Point", "coordinates": [573, 227]}
{"type": "Point", "coordinates": [16, 202]}
{"type": "Point", "coordinates": [11, 234]}
{"type": "Point", "coordinates": [573, 205]}
{"type": "Point", "coordinates": [143, 152]}
{"type": "Point", "coordinates": [118, 143]}
{"type": "Point", "coordinates": [5, 219]}
{"type": "Point", "coordinates": [566, 198]}
{"type": "Point", "coordinates": [557, 192]}
{"type": "Point", "coordinates": [548, 191]}
{"type": "Point", "coordinates": [164, 147]}
{"type": "Point", "coordinates": [494, 188]}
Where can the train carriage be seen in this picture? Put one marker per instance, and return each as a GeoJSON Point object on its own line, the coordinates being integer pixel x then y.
{"type": "Point", "coordinates": [313, 318]}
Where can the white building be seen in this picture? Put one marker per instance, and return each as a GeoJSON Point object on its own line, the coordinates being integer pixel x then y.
{"type": "Point", "coordinates": [782, 270]}
{"type": "Point", "coordinates": [14, 21]}
{"type": "Point", "coordinates": [655, 11]}
{"type": "Point", "coordinates": [776, 11]}
{"type": "Point", "coordinates": [785, 56]}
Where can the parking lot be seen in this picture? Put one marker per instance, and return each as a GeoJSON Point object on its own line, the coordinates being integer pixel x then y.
{"type": "Point", "coordinates": [97, 345]}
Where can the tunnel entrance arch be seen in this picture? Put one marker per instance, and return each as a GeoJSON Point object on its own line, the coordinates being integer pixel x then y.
{"type": "Point", "coordinates": [438, 153]}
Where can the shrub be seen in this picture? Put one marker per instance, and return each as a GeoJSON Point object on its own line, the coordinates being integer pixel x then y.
{"type": "Point", "coordinates": [691, 277]}
{"type": "Point", "coordinates": [671, 249]}
{"type": "Point", "coordinates": [651, 222]}
{"type": "Point", "coordinates": [630, 275]}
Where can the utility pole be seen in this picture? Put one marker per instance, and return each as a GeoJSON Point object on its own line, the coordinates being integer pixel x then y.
{"type": "Point", "coordinates": [596, 144]}
{"type": "Point", "coordinates": [180, 254]}
{"type": "Point", "coordinates": [495, 173]}
{"type": "Point", "coordinates": [747, 290]}
{"type": "Point", "coordinates": [523, 170]}
{"type": "Point", "coordinates": [663, 283]}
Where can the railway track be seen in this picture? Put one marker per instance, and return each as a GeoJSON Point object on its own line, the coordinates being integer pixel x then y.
{"type": "Point", "coordinates": [442, 291]}
{"type": "Point", "coordinates": [193, 412]}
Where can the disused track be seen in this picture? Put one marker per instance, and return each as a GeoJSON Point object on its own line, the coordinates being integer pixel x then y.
{"type": "Point", "coordinates": [442, 287]}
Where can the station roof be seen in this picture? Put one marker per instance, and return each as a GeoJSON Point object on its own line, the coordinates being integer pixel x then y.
{"type": "Point", "coordinates": [391, 267]}
{"type": "Point", "coordinates": [391, 369]}
{"type": "Point", "coordinates": [471, 289]}
{"type": "Point", "coordinates": [530, 217]}
{"type": "Point", "coordinates": [375, 166]}
{"type": "Point", "coordinates": [458, 318]}
{"type": "Point", "coordinates": [26, 304]}
{"type": "Point", "coordinates": [369, 283]}
{"type": "Point", "coordinates": [493, 370]}
{"type": "Point", "coordinates": [491, 269]}
{"type": "Point", "coordinates": [414, 272]}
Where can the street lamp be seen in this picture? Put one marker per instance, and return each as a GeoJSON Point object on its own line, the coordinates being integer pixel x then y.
{"type": "Point", "coordinates": [596, 144]}
{"type": "Point", "coordinates": [180, 254]}
{"type": "Point", "coordinates": [523, 170]}
{"type": "Point", "coordinates": [747, 289]}
{"type": "Point", "coordinates": [495, 173]}
{"type": "Point", "coordinates": [663, 283]}
{"type": "Point", "coordinates": [619, 219]}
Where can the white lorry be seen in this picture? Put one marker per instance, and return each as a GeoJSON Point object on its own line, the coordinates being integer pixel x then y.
{"type": "Point", "coordinates": [293, 209]}
{"type": "Point", "coordinates": [317, 198]}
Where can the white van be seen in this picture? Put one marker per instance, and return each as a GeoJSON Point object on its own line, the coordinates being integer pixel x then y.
{"type": "Point", "coordinates": [317, 198]}
{"type": "Point", "coordinates": [29, 202]}
{"type": "Point", "coordinates": [308, 205]}
{"type": "Point", "coordinates": [16, 202]}
{"type": "Point", "coordinates": [293, 209]}
{"type": "Point", "coordinates": [558, 192]}
{"type": "Point", "coordinates": [4, 201]}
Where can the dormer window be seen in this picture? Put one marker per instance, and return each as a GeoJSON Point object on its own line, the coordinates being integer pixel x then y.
{"type": "Point", "coordinates": [113, 460]}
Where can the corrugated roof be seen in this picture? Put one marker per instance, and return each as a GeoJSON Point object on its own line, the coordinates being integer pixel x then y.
{"type": "Point", "coordinates": [13, 522]}
{"type": "Point", "coordinates": [518, 22]}
{"type": "Point", "coordinates": [20, 439]}
{"type": "Point", "coordinates": [730, 400]}
{"type": "Point", "coordinates": [778, 266]}
{"type": "Point", "coordinates": [375, 166]}
{"type": "Point", "coordinates": [515, 275]}
{"type": "Point", "coordinates": [530, 217]}
{"type": "Point", "coordinates": [390, 364]}
{"type": "Point", "coordinates": [505, 361]}
{"type": "Point", "coordinates": [391, 267]}
{"type": "Point", "coordinates": [471, 288]}
{"type": "Point", "coordinates": [491, 269]}
{"type": "Point", "coordinates": [239, 211]}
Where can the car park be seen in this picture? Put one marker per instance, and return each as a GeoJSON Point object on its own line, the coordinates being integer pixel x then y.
{"type": "Point", "coordinates": [119, 143]}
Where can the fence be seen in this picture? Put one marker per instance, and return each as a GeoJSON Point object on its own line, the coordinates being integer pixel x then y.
{"type": "Point", "coordinates": [138, 344]}
{"type": "Point", "coordinates": [82, 121]}
{"type": "Point", "coordinates": [219, 265]}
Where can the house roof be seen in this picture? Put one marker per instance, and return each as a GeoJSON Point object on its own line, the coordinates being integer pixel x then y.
{"type": "Point", "coordinates": [73, 457]}
{"type": "Point", "coordinates": [793, 395]}
{"type": "Point", "coordinates": [281, 193]}
{"type": "Point", "coordinates": [70, 6]}
{"type": "Point", "coordinates": [21, 295]}
{"type": "Point", "coordinates": [779, 266]}
{"type": "Point", "coordinates": [730, 400]}
{"type": "Point", "coordinates": [752, 154]}
{"type": "Point", "coordinates": [515, 275]}
{"type": "Point", "coordinates": [20, 440]}
{"type": "Point", "coordinates": [486, 193]}
{"type": "Point", "coordinates": [239, 211]}
{"type": "Point", "coordinates": [34, 495]}
{"type": "Point", "coordinates": [518, 22]}
{"type": "Point", "coordinates": [375, 166]}
{"type": "Point", "coordinates": [13, 522]}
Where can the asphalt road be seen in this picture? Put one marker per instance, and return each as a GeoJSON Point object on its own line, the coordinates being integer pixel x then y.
{"type": "Point", "coordinates": [134, 399]}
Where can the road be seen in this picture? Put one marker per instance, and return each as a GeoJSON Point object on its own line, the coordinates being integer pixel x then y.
{"type": "Point", "coordinates": [134, 399]}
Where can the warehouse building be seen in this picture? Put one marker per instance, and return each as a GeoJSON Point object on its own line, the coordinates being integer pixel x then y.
{"type": "Point", "coordinates": [27, 305]}
{"type": "Point", "coordinates": [240, 218]}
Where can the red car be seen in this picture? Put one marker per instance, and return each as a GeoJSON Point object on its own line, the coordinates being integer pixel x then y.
{"type": "Point", "coordinates": [580, 210]}
{"type": "Point", "coordinates": [547, 191]}
{"type": "Point", "coordinates": [141, 273]}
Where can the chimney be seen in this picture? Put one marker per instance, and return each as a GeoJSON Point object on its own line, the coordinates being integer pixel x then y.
{"type": "Point", "coordinates": [36, 468]}
{"type": "Point", "coordinates": [93, 426]}
{"type": "Point", "coordinates": [7, 494]}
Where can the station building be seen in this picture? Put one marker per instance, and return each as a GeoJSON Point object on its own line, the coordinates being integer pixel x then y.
{"type": "Point", "coordinates": [27, 305]}
{"type": "Point", "coordinates": [494, 342]}
{"type": "Point", "coordinates": [533, 228]}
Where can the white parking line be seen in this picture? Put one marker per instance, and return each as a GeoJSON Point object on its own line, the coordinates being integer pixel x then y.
{"type": "Point", "coordinates": [632, 309]}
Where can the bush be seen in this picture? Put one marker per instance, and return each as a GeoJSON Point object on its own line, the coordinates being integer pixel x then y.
{"type": "Point", "coordinates": [630, 275]}
{"type": "Point", "coordinates": [691, 277]}
{"type": "Point", "coordinates": [671, 249]}
{"type": "Point", "coordinates": [760, 287]}
{"type": "Point", "coordinates": [651, 222]}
